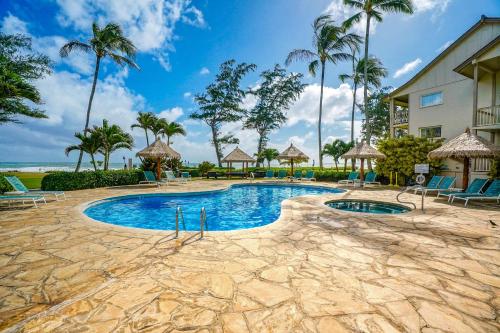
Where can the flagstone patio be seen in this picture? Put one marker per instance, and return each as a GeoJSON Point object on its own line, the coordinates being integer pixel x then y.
{"type": "Point", "coordinates": [314, 270]}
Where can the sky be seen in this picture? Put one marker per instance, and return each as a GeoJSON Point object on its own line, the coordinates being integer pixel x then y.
{"type": "Point", "coordinates": [180, 45]}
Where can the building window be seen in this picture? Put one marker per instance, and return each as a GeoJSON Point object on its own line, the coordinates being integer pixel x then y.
{"type": "Point", "coordinates": [430, 132]}
{"type": "Point", "coordinates": [431, 99]}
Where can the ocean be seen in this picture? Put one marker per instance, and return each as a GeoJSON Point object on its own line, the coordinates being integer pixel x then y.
{"type": "Point", "coordinates": [49, 166]}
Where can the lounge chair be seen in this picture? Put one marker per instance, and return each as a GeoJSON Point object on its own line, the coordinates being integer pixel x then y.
{"type": "Point", "coordinates": [445, 184]}
{"type": "Point", "coordinates": [297, 175]}
{"type": "Point", "coordinates": [491, 193]}
{"type": "Point", "coordinates": [309, 176]}
{"type": "Point", "coordinates": [432, 185]}
{"type": "Point", "coordinates": [370, 179]}
{"type": "Point", "coordinates": [21, 189]}
{"type": "Point", "coordinates": [150, 178]}
{"type": "Point", "coordinates": [474, 188]}
{"type": "Point", "coordinates": [269, 174]}
{"type": "Point", "coordinates": [23, 198]}
{"type": "Point", "coordinates": [185, 175]}
{"type": "Point", "coordinates": [172, 179]}
{"type": "Point", "coordinates": [353, 175]}
{"type": "Point", "coordinates": [282, 174]}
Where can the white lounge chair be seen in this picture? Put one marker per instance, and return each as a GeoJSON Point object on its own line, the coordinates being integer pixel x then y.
{"type": "Point", "coordinates": [23, 199]}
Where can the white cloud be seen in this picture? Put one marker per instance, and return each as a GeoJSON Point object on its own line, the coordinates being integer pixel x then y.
{"type": "Point", "coordinates": [150, 24]}
{"type": "Point", "coordinates": [204, 71]}
{"type": "Point", "coordinates": [436, 6]}
{"type": "Point", "coordinates": [187, 94]}
{"type": "Point", "coordinates": [341, 12]}
{"type": "Point", "coordinates": [407, 68]}
{"type": "Point", "coordinates": [171, 114]}
{"type": "Point", "coordinates": [12, 25]}
{"type": "Point", "coordinates": [444, 46]}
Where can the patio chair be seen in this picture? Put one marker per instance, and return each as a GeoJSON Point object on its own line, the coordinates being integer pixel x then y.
{"type": "Point", "coordinates": [150, 178]}
{"type": "Point", "coordinates": [282, 174]}
{"type": "Point", "coordinates": [172, 179]}
{"type": "Point", "coordinates": [445, 184]}
{"type": "Point", "coordinates": [491, 193]}
{"type": "Point", "coordinates": [370, 178]}
{"type": "Point", "coordinates": [433, 184]}
{"type": "Point", "coordinates": [297, 175]}
{"type": "Point", "coordinates": [185, 175]}
{"type": "Point", "coordinates": [23, 198]}
{"type": "Point", "coordinates": [353, 175]}
{"type": "Point", "coordinates": [269, 174]}
{"type": "Point", "coordinates": [309, 176]}
{"type": "Point", "coordinates": [21, 189]}
{"type": "Point", "coordinates": [474, 188]}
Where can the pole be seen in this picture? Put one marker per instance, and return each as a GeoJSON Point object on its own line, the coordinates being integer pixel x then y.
{"type": "Point", "coordinates": [465, 177]}
{"type": "Point", "coordinates": [362, 170]}
{"type": "Point", "coordinates": [158, 169]}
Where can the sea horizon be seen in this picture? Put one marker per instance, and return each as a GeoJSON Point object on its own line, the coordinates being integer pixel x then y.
{"type": "Point", "coordinates": [50, 166]}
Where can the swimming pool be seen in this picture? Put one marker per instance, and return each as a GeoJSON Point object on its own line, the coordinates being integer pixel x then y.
{"type": "Point", "coordinates": [238, 207]}
{"type": "Point", "coordinates": [365, 206]}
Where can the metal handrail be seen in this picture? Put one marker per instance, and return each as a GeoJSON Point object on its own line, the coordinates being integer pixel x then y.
{"type": "Point", "coordinates": [203, 221]}
{"type": "Point", "coordinates": [412, 188]}
{"type": "Point", "coordinates": [179, 213]}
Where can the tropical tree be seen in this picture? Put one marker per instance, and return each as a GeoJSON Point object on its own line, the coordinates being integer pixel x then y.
{"type": "Point", "coordinates": [330, 43]}
{"type": "Point", "coordinates": [275, 95]}
{"type": "Point", "coordinates": [375, 72]}
{"type": "Point", "coordinates": [112, 138]}
{"type": "Point", "coordinates": [335, 150]}
{"type": "Point", "coordinates": [374, 9]}
{"type": "Point", "coordinates": [157, 126]}
{"type": "Point", "coordinates": [90, 144]}
{"type": "Point", "coordinates": [221, 103]}
{"type": "Point", "coordinates": [376, 124]}
{"type": "Point", "coordinates": [106, 42]}
{"type": "Point", "coordinates": [268, 154]}
{"type": "Point", "coordinates": [172, 128]}
{"type": "Point", "coordinates": [19, 66]}
{"type": "Point", "coordinates": [145, 120]}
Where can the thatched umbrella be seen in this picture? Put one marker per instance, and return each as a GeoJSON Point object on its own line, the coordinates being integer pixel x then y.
{"type": "Point", "coordinates": [363, 151]}
{"type": "Point", "coordinates": [293, 154]}
{"type": "Point", "coordinates": [158, 150]}
{"type": "Point", "coordinates": [237, 156]}
{"type": "Point", "coordinates": [464, 147]}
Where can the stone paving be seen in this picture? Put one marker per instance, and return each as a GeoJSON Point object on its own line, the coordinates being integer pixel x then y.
{"type": "Point", "coordinates": [314, 270]}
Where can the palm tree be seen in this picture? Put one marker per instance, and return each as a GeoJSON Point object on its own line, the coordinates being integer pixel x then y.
{"type": "Point", "coordinates": [375, 72]}
{"type": "Point", "coordinates": [172, 128]}
{"type": "Point", "coordinates": [158, 126]}
{"type": "Point", "coordinates": [112, 138]}
{"type": "Point", "coordinates": [145, 120]}
{"type": "Point", "coordinates": [268, 154]}
{"type": "Point", "coordinates": [374, 8]}
{"type": "Point", "coordinates": [106, 42]}
{"type": "Point", "coordinates": [329, 42]}
{"type": "Point", "coordinates": [334, 150]}
{"type": "Point", "coordinates": [90, 144]}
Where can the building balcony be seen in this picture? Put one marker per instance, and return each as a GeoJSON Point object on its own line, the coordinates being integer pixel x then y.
{"type": "Point", "coordinates": [400, 117]}
{"type": "Point", "coordinates": [488, 118]}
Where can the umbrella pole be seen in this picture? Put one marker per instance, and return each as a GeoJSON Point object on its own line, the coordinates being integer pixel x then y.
{"type": "Point", "coordinates": [291, 163]}
{"type": "Point", "coordinates": [362, 170]}
{"type": "Point", "coordinates": [465, 178]}
{"type": "Point", "coordinates": [158, 169]}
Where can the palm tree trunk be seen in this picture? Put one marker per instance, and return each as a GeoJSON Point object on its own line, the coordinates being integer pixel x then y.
{"type": "Point", "coordinates": [168, 140]}
{"type": "Point", "coordinates": [352, 115]}
{"type": "Point", "coordinates": [89, 107]}
{"type": "Point", "coordinates": [260, 147]}
{"type": "Point", "coordinates": [93, 162]}
{"type": "Point", "coordinates": [365, 78]}
{"type": "Point", "coordinates": [269, 164]}
{"type": "Point", "coordinates": [336, 165]}
{"type": "Point", "coordinates": [215, 141]}
{"type": "Point", "coordinates": [147, 139]}
{"type": "Point", "coordinates": [320, 114]}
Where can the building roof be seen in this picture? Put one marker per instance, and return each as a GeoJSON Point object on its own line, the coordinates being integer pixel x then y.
{"type": "Point", "coordinates": [363, 150]}
{"type": "Point", "coordinates": [465, 145]}
{"type": "Point", "coordinates": [237, 155]}
{"type": "Point", "coordinates": [446, 51]}
{"type": "Point", "coordinates": [462, 68]}
{"type": "Point", "coordinates": [158, 149]}
{"type": "Point", "coordinates": [292, 153]}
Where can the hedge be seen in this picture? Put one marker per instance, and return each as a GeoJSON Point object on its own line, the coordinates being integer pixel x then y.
{"type": "Point", "coordinates": [68, 181]}
{"type": "Point", "coordinates": [4, 185]}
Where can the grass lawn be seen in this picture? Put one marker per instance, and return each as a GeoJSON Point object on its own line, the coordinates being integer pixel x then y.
{"type": "Point", "coordinates": [32, 180]}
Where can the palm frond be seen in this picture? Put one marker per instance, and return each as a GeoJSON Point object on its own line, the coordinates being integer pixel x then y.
{"type": "Point", "coordinates": [122, 61]}
{"type": "Point", "coordinates": [67, 48]}
{"type": "Point", "coordinates": [345, 77]}
{"type": "Point", "coordinates": [352, 20]}
{"type": "Point", "coordinates": [355, 4]}
{"type": "Point", "coordinates": [395, 6]}
{"type": "Point", "coordinates": [300, 55]}
{"type": "Point", "coordinates": [313, 67]}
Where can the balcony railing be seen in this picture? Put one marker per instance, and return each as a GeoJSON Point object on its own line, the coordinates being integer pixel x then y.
{"type": "Point", "coordinates": [488, 116]}
{"type": "Point", "coordinates": [400, 117]}
{"type": "Point", "coordinates": [482, 165]}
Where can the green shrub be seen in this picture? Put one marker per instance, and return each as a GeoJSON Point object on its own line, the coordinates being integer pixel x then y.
{"type": "Point", "coordinates": [192, 171]}
{"type": "Point", "coordinates": [68, 181]}
{"type": "Point", "coordinates": [403, 153]}
{"type": "Point", "coordinates": [4, 185]}
{"type": "Point", "coordinates": [205, 167]}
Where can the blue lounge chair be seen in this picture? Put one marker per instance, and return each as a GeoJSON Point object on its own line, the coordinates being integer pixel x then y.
{"type": "Point", "coordinates": [23, 198]}
{"type": "Point", "coordinates": [370, 178]}
{"type": "Point", "coordinates": [474, 188]}
{"type": "Point", "coordinates": [432, 185]}
{"type": "Point", "coordinates": [282, 174]}
{"type": "Point", "coordinates": [150, 178]}
{"type": "Point", "coordinates": [353, 175]}
{"type": "Point", "coordinates": [444, 185]}
{"type": "Point", "coordinates": [269, 174]}
{"type": "Point", "coordinates": [185, 175]}
{"type": "Point", "coordinates": [491, 193]}
{"type": "Point", "coordinates": [297, 175]}
{"type": "Point", "coordinates": [21, 189]}
{"type": "Point", "coordinates": [309, 176]}
{"type": "Point", "coordinates": [172, 179]}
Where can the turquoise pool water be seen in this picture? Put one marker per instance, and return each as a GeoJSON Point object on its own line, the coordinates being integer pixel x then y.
{"type": "Point", "coordinates": [373, 207]}
{"type": "Point", "coordinates": [238, 207]}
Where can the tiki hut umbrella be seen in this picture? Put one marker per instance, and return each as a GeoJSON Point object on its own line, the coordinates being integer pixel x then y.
{"type": "Point", "coordinates": [362, 151]}
{"type": "Point", "coordinates": [464, 147]}
{"type": "Point", "coordinates": [158, 150]}
{"type": "Point", "coordinates": [237, 156]}
{"type": "Point", "coordinates": [293, 154]}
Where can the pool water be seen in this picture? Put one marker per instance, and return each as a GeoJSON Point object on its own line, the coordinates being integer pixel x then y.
{"type": "Point", "coordinates": [368, 207]}
{"type": "Point", "coordinates": [238, 207]}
